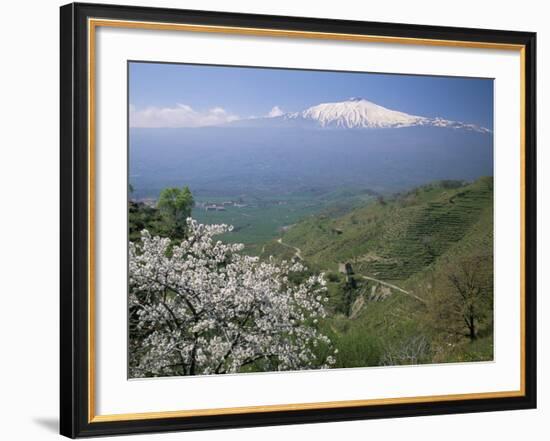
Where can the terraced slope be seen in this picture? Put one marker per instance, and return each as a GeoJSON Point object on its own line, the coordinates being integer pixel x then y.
{"type": "Point", "coordinates": [393, 240]}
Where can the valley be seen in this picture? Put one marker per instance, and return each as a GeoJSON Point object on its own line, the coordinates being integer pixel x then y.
{"type": "Point", "coordinates": [387, 261]}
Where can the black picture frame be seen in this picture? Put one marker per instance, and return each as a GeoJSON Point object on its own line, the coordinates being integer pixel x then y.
{"type": "Point", "coordinates": [74, 191]}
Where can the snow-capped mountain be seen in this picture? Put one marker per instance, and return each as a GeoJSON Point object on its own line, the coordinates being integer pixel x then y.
{"type": "Point", "coordinates": [361, 113]}
{"type": "Point", "coordinates": [357, 113]}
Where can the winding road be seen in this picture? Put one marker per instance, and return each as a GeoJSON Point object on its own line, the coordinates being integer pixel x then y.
{"type": "Point", "coordinates": [297, 251]}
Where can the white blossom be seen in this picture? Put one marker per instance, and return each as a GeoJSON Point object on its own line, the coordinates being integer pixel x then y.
{"type": "Point", "coordinates": [201, 307]}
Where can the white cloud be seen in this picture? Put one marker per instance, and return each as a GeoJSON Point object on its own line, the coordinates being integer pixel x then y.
{"type": "Point", "coordinates": [274, 112]}
{"type": "Point", "coordinates": [181, 115]}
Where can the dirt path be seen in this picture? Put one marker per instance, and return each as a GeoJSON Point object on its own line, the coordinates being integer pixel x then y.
{"type": "Point", "coordinates": [297, 251]}
{"type": "Point", "coordinates": [397, 288]}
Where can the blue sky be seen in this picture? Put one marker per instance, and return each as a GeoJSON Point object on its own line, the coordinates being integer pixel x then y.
{"type": "Point", "coordinates": [165, 94]}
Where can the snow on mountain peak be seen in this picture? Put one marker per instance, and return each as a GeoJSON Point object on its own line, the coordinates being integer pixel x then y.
{"type": "Point", "coordinates": [358, 112]}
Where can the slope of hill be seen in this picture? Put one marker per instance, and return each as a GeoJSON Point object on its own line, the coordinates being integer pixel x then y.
{"type": "Point", "coordinates": [394, 239]}
{"type": "Point", "coordinates": [388, 267]}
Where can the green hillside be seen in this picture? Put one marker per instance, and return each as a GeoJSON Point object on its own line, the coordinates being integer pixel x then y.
{"type": "Point", "coordinates": [395, 268]}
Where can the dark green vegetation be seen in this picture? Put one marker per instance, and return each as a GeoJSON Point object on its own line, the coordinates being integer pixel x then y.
{"type": "Point", "coordinates": [410, 277]}
{"type": "Point", "coordinates": [175, 206]}
{"type": "Point", "coordinates": [143, 216]}
{"type": "Point", "coordinates": [167, 217]}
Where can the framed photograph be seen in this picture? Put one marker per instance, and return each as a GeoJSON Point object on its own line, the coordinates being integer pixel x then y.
{"type": "Point", "coordinates": [274, 220]}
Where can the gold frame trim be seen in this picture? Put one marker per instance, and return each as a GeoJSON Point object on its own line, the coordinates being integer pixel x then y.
{"type": "Point", "coordinates": [92, 25]}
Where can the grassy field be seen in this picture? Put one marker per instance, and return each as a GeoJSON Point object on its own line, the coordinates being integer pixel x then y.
{"type": "Point", "coordinates": [257, 220]}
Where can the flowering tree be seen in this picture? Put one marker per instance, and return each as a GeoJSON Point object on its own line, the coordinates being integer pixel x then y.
{"type": "Point", "coordinates": [201, 307]}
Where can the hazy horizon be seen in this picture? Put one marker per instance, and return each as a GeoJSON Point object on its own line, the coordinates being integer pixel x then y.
{"type": "Point", "coordinates": [186, 95]}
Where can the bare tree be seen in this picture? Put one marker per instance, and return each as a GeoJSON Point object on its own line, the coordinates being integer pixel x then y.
{"type": "Point", "coordinates": [472, 287]}
{"type": "Point", "coordinates": [413, 350]}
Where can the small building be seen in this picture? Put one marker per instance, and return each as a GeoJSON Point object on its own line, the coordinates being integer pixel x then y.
{"type": "Point", "coordinates": [214, 207]}
{"type": "Point", "coordinates": [345, 268]}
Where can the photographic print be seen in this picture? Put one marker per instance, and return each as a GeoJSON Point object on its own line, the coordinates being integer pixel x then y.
{"type": "Point", "coordinates": [286, 219]}
{"type": "Point", "coordinates": [273, 220]}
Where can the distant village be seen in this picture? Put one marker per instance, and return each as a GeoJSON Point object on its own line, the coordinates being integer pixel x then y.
{"type": "Point", "coordinates": [209, 206]}
{"type": "Point", "coordinates": [206, 206]}
{"type": "Point", "coordinates": [216, 206]}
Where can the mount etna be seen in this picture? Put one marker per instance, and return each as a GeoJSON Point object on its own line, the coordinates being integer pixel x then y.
{"type": "Point", "coordinates": [353, 143]}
